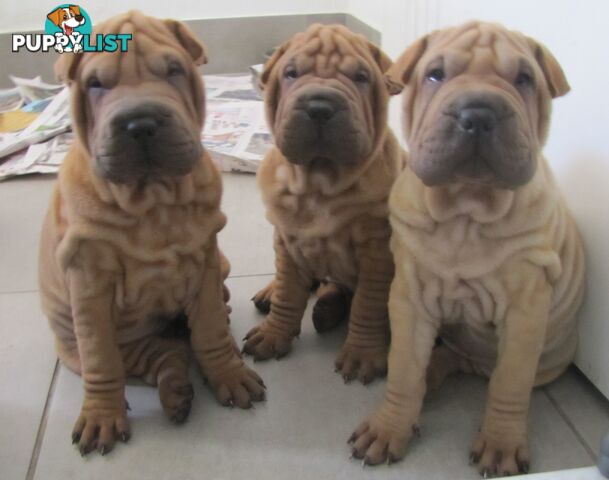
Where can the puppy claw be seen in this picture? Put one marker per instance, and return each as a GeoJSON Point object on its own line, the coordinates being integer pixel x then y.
{"type": "Point", "coordinates": [416, 431]}
{"type": "Point", "coordinates": [75, 437]}
{"type": "Point", "coordinates": [523, 467]}
{"type": "Point", "coordinates": [124, 437]}
{"type": "Point", "coordinates": [390, 459]}
{"type": "Point", "coordinates": [352, 438]}
{"type": "Point", "coordinates": [473, 458]}
{"type": "Point", "coordinates": [102, 450]}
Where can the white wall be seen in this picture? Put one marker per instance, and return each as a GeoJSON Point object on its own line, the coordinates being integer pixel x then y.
{"type": "Point", "coordinates": [578, 147]}
{"type": "Point", "coordinates": [31, 14]}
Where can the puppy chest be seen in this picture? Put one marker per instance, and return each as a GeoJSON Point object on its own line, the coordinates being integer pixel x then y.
{"type": "Point", "coordinates": [481, 303]}
{"type": "Point", "coordinates": [161, 285]}
{"type": "Point", "coordinates": [325, 257]}
{"type": "Point", "coordinates": [152, 269]}
{"type": "Point", "coordinates": [160, 263]}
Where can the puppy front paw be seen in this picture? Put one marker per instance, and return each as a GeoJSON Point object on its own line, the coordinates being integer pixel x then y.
{"type": "Point", "coordinates": [98, 428]}
{"type": "Point", "coordinates": [264, 342]}
{"type": "Point", "coordinates": [378, 440]}
{"type": "Point", "coordinates": [363, 363]}
{"type": "Point", "coordinates": [500, 455]}
{"type": "Point", "coordinates": [239, 386]}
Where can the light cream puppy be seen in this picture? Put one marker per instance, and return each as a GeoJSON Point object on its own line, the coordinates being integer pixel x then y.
{"type": "Point", "coordinates": [487, 254]}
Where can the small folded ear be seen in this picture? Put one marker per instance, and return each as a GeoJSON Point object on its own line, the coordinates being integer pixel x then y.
{"type": "Point", "coordinates": [552, 71]}
{"type": "Point", "coordinates": [75, 9]}
{"type": "Point", "coordinates": [66, 66]}
{"type": "Point", "coordinates": [400, 72]}
{"type": "Point", "coordinates": [384, 63]}
{"type": "Point", "coordinates": [188, 40]}
{"type": "Point", "coordinates": [380, 57]}
{"type": "Point", "coordinates": [269, 65]}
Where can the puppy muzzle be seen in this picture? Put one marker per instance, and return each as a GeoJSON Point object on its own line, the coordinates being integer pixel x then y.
{"type": "Point", "coordinates": [477, 138]}
{"type": "Point", "coordinates": [320, 126]}
{"type": "Point", "coordinates": [146, 141]}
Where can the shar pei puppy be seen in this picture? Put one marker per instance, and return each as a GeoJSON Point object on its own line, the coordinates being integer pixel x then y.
{"type": "Point", "coordinates": [325, 187]}
{"type": "Point", "coordinates": [130, 239]}
{"type": "Point", "coordinates": [487, 255]}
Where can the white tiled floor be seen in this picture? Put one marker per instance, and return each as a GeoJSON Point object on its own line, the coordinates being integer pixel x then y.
{"type": "Point", "coordinates": [299, 433]}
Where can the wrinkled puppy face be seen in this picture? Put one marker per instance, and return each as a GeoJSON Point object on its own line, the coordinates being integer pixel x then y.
{"type": "Point", "coordinates": [477, 104]}
{"type": "Point", "coordinates": [139, 113]}
{"type": "Point", "coordinates": [325, 97]}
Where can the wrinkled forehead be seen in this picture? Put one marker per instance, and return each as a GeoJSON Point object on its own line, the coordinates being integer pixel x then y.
{"type": "Point", "coordinates": [151, 48]}
{"type": "Point", "coordinates": [327, 50]}
{"type": "Point", "coordinates": [481, 49]}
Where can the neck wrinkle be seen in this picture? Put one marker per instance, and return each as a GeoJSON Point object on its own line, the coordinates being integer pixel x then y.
{"type": "Point", "coordinates": [333, 181]}
{"type": "Point", "coordinates": [139, 198]}
{"type": "Point", "coordinates": [486, 204]}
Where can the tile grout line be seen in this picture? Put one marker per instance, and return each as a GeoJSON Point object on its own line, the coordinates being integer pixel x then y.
{"type": "Point", "coordinates": [591, 452]}
{"type": "Point", "coordinates": [31, 471]}
{"type": "Point", "coordinates": [245, 275]}
{"type": "Point", "coordinates": [18, 291]}
{"type": "Point", "coordinates": [241, 275]}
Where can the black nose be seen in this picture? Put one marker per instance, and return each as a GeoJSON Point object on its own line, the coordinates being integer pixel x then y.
{"type": "Point", "coordinates": [141, 127]}
{"type": "Point", "coordinates": [320, 110]}
{"type": "Point", "coordinates": [477, 120]}
{"type": "Point", "coordinates": [78, 18]}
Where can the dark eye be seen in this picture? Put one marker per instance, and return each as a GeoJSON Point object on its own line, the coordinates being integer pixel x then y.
{"type": "Point", "coordinates": [93, 83]}
{"type": "Point", "coordinates": [175, 69]}
{"type": "Point", "coordinates": [361, 77]}
{"type": "Point", "coordinates": [523, 80]}
{"type": "Point", "coordinates": [290, 73]}
{"type": "Point", "coordinates": [435, 75]}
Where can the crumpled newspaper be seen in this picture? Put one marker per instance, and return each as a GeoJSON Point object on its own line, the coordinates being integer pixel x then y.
{"type": "Point", "coordinates": [235, 133]}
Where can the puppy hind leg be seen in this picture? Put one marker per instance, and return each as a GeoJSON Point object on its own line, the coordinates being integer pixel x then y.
{"type": "Point", "coordinates": [444, 362]}
{"type": "Point", "coordinates": [225, 269]}
{"type": "Point", "coordinates": [164, 363]}
{"type": "Point", "coordinates": [332, 307]}
{"type": "Point", "coordinates": [262, 299]}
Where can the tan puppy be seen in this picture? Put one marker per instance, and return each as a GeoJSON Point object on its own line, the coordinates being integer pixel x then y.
{"type": "Point", "coordinates": [487, 255]}
{"type": "Point", "coordinates": [326, 186]}
{"type": "Point", "coordinates": [129, 242]}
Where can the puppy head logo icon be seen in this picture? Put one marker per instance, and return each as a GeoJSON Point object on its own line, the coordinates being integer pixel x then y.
{"type": "Point", "coordinates": [70, 21]}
